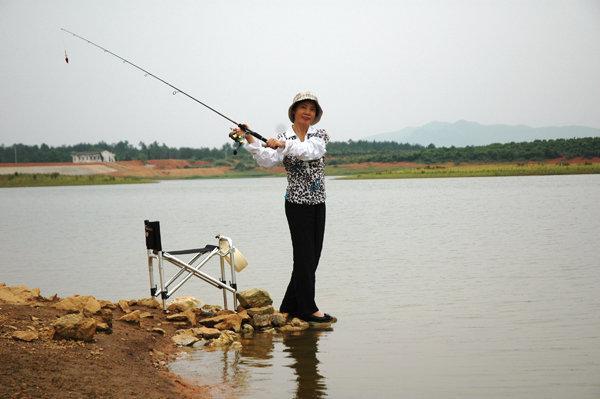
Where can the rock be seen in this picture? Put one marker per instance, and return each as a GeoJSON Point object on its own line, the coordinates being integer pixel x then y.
{"type": "Point", "coordinates": [184, 339]}
{"type": "Point", "coordinates": [75, 326]}
{"type": "Point", "coordinates": [27, 335]}
{"type": "Point", "coordinates": [145, 315]}
{"type": "Point", "coordinates": [263, 310]}
{"type": "Point", "coordinates": [106, 315]}
{"type": "Point", "coordinates": [103, 327]}
{"type": "Point", "coordinates": [211, 321]}
{"type": "Point", "coordinates": [224, 311]}
{"type": "Point", "coordinates": [183, 303]}
{"type": "Point", "coordinates": [176, 317]}
{"type": "Point", "coordinates": [78, 303]}
{"type": "Point", "coordinates": [278, 320]}
{"type": "Point", "coordinates": [206, 332]}
{"type": "Point", "coordinates": [188, 316]}
{"type": "Point", "coordinates": [46, 333]}
{"type": "Point", "coordinates": [244, 315]}
{"type": "Point", "coordinates": [148, 303]}
{"type": "Point", "coordinates": [225, 339]}
{"type": "Point", "coordinates": [289, 328]}
{"type": "Point", "coordinates": [124, 306]}
{"type": "Point", "coordinates": [211, 308]}
{"type": "Point", "coordinates": [321, 326]}
{"type": "Point", "coordinates": [261, 320]}
{"type": "Point", "coordinates": [199, 344]}
{"type": "Point", "coordinates": [295, 325]}
{"type": "Point", "coordinates": [232, 322]}
{"type": "Point", "coordinates": [254, 298]}
{"type": "Point", "coordinates": [296, 322]}
{"type": "Point", "coordinates": [247, 329]}
{"type": "Point", "coordinates": [18, 294]}
{"type": "Point", "coordinates": [202, 313]}
{"type": "Point", "coordinates": [107, 304]}
{"type": "Point", "coordinates": [132, 317]}
{"type": "Point", "coordinates": [158, 330]}
{"type": "Point", "coordinates": [268, 331]}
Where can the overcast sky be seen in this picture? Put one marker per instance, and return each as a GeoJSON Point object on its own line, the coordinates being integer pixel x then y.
{"type": "Point", "coordinates": [376, 66]}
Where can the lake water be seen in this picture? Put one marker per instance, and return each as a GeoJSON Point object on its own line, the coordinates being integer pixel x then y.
{"type": "Point", "coordinates": [444, 288]}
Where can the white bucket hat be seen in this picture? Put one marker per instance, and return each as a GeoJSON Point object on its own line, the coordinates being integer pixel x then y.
{"type": "Point", "coordinates": [302, 96]}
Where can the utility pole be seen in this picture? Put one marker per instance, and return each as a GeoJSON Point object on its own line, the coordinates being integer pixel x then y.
{"type": "Point", "coordinates": [15, 154]}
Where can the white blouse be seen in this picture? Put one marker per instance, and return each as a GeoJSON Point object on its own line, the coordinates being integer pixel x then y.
{"type": "Point", "coordinates": [303, 162]}
{"type": "Point", "coordinates": [313, 147]}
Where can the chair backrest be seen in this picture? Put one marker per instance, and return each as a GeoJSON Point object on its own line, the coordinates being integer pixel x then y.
{"type": "Point", "coordinates": [152, 230]}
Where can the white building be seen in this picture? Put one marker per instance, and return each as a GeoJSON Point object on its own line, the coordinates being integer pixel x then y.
{"type": "Point", "coordinates": [93, 156]}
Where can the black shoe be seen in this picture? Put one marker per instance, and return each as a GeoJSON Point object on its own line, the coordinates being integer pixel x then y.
{"type": "Point", "coordinates": [317, 319]}
{"type": "Point", "coordinates": [316, 322]}
{"type": "Point", "coordinates": [330, 318]}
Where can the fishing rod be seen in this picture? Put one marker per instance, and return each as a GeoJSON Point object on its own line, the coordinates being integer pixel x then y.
{"type": "Point", "coordinates": [234, 137]}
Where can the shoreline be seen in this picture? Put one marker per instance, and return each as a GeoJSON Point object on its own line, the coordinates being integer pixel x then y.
{"type": "Point", "coordinates": [482, 170]}
{"type": "Point", "coordinates": [80, 346]}
{"type": "Point", "coordinates": [129, 361]}
{"type": "Point", "coordinates": [136, 172]}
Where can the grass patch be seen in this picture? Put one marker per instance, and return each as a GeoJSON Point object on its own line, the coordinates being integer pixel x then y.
{"type": "Point", "coordinates": [483, 170]}
{"type": "Point", "coordinates": [55, 179]}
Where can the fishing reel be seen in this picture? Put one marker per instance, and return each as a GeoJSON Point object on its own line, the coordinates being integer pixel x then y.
{"type": "Point", "coordinates": [238, 138]}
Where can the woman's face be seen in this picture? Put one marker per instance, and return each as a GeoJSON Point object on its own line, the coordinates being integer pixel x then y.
{"type": "Point", "coordinates": [305, 112]}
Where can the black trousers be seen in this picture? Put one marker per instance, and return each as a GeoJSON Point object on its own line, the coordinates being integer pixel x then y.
{"type": "Point", "coordinates": [307, 227]}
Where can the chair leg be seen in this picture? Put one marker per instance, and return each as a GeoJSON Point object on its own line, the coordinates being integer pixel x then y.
{"type": "Point", "coordinates": [161, 277]}
{"type": "Point", "coordinates": [222, 262]}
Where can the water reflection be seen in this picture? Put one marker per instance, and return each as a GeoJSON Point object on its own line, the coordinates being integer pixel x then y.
{"type": "Point", "coordinates": [267, 366]}
{"type": "Point", "coordinates": [257, 350]}
{"type": "Point", "coordinates": [303, 348]}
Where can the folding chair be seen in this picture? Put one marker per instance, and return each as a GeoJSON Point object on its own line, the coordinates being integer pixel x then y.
{"type": "Point", "coordinates": [224, 250]}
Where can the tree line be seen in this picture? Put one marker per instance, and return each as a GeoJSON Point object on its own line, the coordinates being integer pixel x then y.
{"type": "Point", "coordinates": [339, 152]}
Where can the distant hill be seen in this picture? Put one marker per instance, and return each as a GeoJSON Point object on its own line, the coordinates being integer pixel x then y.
{"type": "Point", "coordinates": [463, 133]}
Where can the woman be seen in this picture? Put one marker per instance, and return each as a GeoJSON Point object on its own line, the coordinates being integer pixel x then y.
{"type": "Point", "coordinates": [301, 148]}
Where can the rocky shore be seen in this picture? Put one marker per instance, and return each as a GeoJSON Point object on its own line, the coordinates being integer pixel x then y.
{"type": "Point", "coordinates": [80, 346]}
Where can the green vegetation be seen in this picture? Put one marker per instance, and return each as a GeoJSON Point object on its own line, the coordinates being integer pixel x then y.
{"type": "Point", "coordinates": [478, 171]}
{"type": "Point", "coordinates": [338, 153]}
{"type": "Point", "coordinates": [55, 179]}
{"type": "Point", "coordinates": [538, 150]}
{"type": "Point", "coordinates": [123, 150]}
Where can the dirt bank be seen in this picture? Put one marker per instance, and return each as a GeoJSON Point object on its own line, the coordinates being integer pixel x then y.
{"type": "Point", "coordinates": [130, 362]}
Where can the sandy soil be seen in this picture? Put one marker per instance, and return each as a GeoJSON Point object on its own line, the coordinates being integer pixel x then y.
{"type": "Point", "coordinates": [129, 363]}
{"type": "Point", "coordinates": [69, 170]}
{"type": "Point", "coordinates": [165, 168]}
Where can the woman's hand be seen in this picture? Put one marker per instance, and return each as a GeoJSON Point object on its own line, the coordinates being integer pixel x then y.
{"type": "Point", "coordinates": [237, 132]}
{"type": "Point", "coordinates": [275, 144]}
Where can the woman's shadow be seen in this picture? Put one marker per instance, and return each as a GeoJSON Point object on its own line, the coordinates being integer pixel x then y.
{"type": "Point", "coordinates": [302, 347]}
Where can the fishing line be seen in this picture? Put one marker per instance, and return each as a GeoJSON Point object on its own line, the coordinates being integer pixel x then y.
{"type": "Point", "coordinates": [243, 127]}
